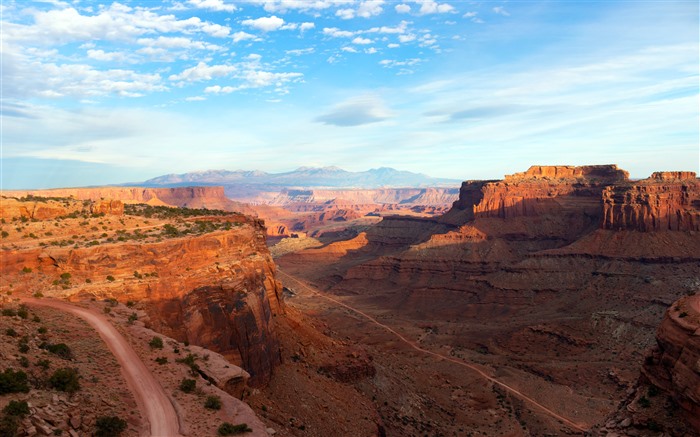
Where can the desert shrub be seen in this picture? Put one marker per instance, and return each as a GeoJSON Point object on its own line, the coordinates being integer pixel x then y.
{"type": "Point", "coordinates": [9, 312]}
{"type": "Point", "coordinates": [26, 269]}
{"type": "Point", "coordinates": [38, 294]}
{"type": "Point", "coordinates": [42, 330]}
{"type": "Point", "coordinates": [16, 408]}
{"type": "Point", "coordinates": [644, 402]}
{"type": "Point", "coordinates": [65, 276]}
{"type": "Point", "coordinates": [24, 361]}
{"type": "Point", "coordinates": [11, 332]}
{"type": "Point", "coordinates": [230, 429]}
{"type": "Point", "coordinates": [9, 425]}
{"type": "Point", "coordinates": [44, 364]}
{"type": "Point", "coordinates": [107, 310]}
{"type": "Point", "coordinates": [12, 381]}
{"type": "Point", "coordinates": [36, 319]}
{"type": "Point", "coordinates": [132, 318]}
{"type": "Point", "coordinates": [213, 403]}
{"type": "Point", "coordinates": [23, 345]}
{"type": "Point", "coordinates": [5, 234]}
{"type": "Point", "coordinates": [61, 350]}
{"type": "Point", "coordinates": [653, 391]}
{"type": "Point", "coordinates": [22, 312]}
{"type": "Point", "coordinates": [65, 379]}
{"type": "Point", "coordinates": [653, 425]}
{"type": "Point", "coordinates": [161, 360]}
{"type": "Point", "coordinates": [110, 278]}
{"type": "Point", "coordinates": [188, 385]}
{"type": "Point", "coordinates": [109, 426]}
{"type": "Point", "coordinates": [156, 343]}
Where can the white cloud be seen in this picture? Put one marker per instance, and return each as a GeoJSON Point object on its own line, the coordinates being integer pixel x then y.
{"type": "Point", "coordinates": [306, 26]}
{"type": "Point", "coordinates": [214, 5]}
{"type": "Point", "coordinates": [371, 50]}
{"type": "Point", "coordinates": [216, 89]}
{"type": "Point", "coordinates": [370, 8]}
{"type": "Point", "coordinates": [299, 52]}
{"type": "Point", "coordinates": [407, 38]}
{"type": "Point", "coordinates": [433, 7]}
{"type": "Point", "coordinates": [345, 14]}
{"type": "Point", "coordinates": [202, 71]}
{"type": "Point", "coordinates": [402, 8]}
{"type": "Point", "coordinates": [195, 98]}
{"type": "Point", "coordinates": [101, 55]}
{"type": "Point", "coordinates": [266, 24]}
{"type": "Point", "coordinates": [115, 23]}
{"type": "Point", "coordinates": [470, 14]}
{"type": "Point", "coordinates": [501, 11]}
{"type": "Point", "coordinates": [249, 74]}
{"type": "Point", "coordinates": [349, 49]}
{"type": "Point", "coordinates": [393, 45]}
{"type": "Point", "coordinates": [302, 5]}
{"type": "Point", "coordinates": [360, 40]}
{"type": "Point", "coordinates": [337, 33]}
{"type": "Point", "coordinates": [400, 28]}
{"type": "Point", "coordinates": [177, 42]}
{"type": "Point", "coordinates": [84, 81]}
{"type": "Point", "coordinates": [390, 63]}
{"type": "Point", "coordinates": [244, 36]}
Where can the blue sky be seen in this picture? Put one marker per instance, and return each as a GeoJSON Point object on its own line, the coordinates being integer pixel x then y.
{"type": "Point", "coordinates": [108, 92]}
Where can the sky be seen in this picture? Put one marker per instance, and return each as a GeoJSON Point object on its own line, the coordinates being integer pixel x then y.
{"type": "Point", "coordinates": [98, 93]}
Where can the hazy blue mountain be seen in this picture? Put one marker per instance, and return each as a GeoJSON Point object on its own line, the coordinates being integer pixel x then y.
{"type": "Point", "coordinates": [307, 177]}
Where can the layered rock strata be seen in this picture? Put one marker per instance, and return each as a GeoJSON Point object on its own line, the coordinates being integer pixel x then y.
{"type": "Point", "coordinates": [674, 364]}
{"type": "Point", "coordinates": [667, 201]}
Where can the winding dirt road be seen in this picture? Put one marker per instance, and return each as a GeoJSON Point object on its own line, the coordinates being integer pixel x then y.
{"type": "Point", "coordinates": [150, 397]}
{"type": "Point", "coordinates": [569, 423]}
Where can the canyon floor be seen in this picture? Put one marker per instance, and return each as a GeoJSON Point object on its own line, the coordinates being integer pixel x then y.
{"type": "Point", "coordinates": [527, 309]}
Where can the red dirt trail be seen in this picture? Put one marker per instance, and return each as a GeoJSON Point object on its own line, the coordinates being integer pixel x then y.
{"type": "Point", "coordinates": [568, 422]}
{"type": "Point", "coordinates": [153, 403]}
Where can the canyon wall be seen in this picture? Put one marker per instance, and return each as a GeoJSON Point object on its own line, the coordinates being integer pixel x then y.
{"type": "Point", "coordinates": [215, 289]}
{"type": "Point", "coordinates": [190, 197]}
{"type": "Point", "coordinates": [667, 201]}
{"type": "Point", "coordinates": [674, 364]}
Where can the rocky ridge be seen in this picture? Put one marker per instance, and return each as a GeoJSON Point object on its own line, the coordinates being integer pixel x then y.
{"type": "Point", "coordinates": [215, 287]}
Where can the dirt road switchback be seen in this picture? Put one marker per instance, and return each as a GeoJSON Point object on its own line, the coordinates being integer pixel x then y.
{"type": "Point", "coordinates": [154, 404]}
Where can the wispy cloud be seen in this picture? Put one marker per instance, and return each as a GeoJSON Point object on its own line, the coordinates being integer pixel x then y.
{"type": "Point", "coordinates": [355, 112]}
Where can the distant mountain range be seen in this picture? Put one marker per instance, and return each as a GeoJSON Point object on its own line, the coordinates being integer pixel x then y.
{"type": "Point", "coordinates": [303, 177]}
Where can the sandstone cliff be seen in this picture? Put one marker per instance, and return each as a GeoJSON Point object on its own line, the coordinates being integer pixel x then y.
{"type": "Point", "coordinates": [541, 190]}
{"type": "Point", "coordinates": [674, 365]}
{"type": "Point", "coordinates": [190, 197]}
{"type": "Point", "coordinates": [215, 289]}
{"type": "Point", "coordinates": [667, 201]}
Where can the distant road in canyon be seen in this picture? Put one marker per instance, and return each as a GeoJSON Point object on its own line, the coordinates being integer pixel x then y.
{"type": "Point", "coordinates": [568, 422]}
{"type": "Point", "coordinates": [153, 403]}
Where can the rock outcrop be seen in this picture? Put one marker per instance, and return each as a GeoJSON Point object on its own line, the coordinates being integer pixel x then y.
{"type": "Point", "coordinates": [190, 197]}
{"type": "Point", "coordinates": [216, 289]}
{"type": "Point", "coordinates": [674, 365]}
{"type": "Point", "coordinates": [539, 191]}
{"type": "Point", "coordinates": [667, 201]}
